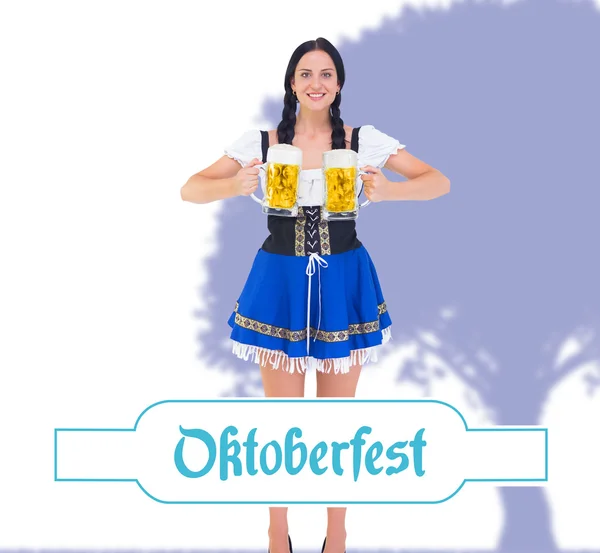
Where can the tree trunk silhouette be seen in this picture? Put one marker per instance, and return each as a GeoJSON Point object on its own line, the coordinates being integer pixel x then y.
{"type": "Point", "coordinates": [527, 526]}
{"type": "Point", "coordinates": [527, 519]}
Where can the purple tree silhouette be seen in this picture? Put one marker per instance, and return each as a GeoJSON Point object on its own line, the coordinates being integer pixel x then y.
{"type": "Point", "coordinates": [503, 99]}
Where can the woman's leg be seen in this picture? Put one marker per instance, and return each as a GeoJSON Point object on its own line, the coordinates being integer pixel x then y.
{"type": "Point", "coordinates": [280, 383]}
{"type": "Point", "coordinates": [337, 385]}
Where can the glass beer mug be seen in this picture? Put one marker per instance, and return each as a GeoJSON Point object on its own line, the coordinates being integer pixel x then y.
{"type": "Point", "coordinates": [341, 177]}
{"type": "Point", "coordinates": [281, 180]}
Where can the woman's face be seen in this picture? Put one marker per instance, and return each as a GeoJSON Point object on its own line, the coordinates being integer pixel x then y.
{"type": "Point", "coordinates": [315, 81]}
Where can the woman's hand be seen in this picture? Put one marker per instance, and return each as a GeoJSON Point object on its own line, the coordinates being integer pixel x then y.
{"type": "Point", "coordinates": [377, 186]}
{"type": "Point", "coordinates": [246, 180]}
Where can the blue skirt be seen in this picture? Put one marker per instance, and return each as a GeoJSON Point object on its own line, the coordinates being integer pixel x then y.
{"type": "Point", "coordinates": [324, 312]}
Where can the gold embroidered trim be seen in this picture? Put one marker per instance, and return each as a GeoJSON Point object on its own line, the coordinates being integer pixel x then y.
{"type": "Point", "coordinates": [300, 220]}
{"type": "Point", "coordinates": [297, 336]}
{"type": "Point", "coordinates": [324, 236]}
{"type": "Point", "coordinates": [301, 230]}
{"type": "Point", "coordinates": [269, 330]}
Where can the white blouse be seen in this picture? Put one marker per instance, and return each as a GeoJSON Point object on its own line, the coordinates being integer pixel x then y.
{"type": "Point", "coordinates": [374, 148]}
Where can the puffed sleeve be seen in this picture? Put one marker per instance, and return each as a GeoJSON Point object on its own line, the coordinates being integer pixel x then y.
{"type": "Point", "coordinates": [375, 147]}
{"type": "Point", "coordinates": [246, 147]}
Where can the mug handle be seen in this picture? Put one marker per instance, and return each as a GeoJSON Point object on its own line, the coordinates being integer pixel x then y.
{"type": "Point", "coordinates": [363, 186]}
{"type": "Point", "coordinates": [260, 167]}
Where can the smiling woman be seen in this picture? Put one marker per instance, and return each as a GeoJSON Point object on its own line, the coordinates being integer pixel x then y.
{"type": "Point", "coordinates": [277, 322]}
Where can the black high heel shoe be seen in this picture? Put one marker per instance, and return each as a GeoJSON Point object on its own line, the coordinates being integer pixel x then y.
{"type": "Point", "coordinates": [324, 542]}
{"type": "Point", "coordinates": [289, 543]}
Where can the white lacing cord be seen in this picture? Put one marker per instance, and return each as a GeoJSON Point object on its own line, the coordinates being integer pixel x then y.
{"type": "Point", "coordinates": [313, 260]}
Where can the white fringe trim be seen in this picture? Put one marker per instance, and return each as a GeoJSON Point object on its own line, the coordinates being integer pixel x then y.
{"type": "Point", "coordinates": [280, 359]}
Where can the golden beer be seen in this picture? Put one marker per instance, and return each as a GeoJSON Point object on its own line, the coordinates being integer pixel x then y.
{"type": "Point", "coordinates": [282, 185]}
{"type": "Point", "coordinates": [340, 191]}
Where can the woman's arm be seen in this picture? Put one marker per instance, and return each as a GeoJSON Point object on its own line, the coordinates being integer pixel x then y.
{"type": "Point", "coordinates": [216, 182]}
{"type": "Point", "coordinates": [424, 181]}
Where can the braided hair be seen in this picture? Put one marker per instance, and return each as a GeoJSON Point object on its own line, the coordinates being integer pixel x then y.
{"type": "Point", "coordinates": [286, 128]}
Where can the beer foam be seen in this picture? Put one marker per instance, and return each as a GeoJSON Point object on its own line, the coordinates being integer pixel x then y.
{"type": "Point", "coordinates": [285, 153]}
{"type": "Point", "coordinates": [340, 158]}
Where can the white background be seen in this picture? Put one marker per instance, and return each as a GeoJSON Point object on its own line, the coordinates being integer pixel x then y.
{"type": "Point", "coordinates": [107, 109]}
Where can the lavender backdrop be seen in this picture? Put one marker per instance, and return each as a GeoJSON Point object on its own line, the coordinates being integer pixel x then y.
{"type": "Point", "coordinates": [504, 100]}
